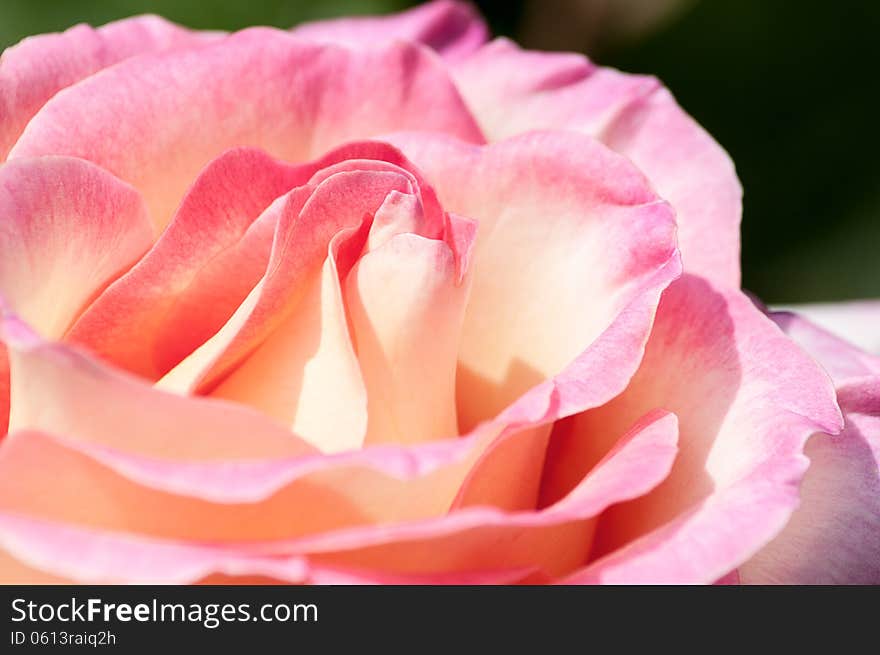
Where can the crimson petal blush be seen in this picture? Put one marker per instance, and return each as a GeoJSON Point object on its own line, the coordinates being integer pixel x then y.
{"type": "Point", "coordinates": [379, 301]}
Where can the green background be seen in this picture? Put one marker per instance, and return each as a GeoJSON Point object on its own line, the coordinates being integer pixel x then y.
{"type": "Point", "coordinates": [789, 88]}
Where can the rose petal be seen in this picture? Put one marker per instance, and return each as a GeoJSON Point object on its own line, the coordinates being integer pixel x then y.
{"type": "Point", "coordinates": [747, 400]}
{"type": "Point", "coordinates": [567, 229]}
{"type": "Point", "coordinates": [157, 120]}
{"type": "Point", "coordinates": [307, 374]}
{"type": "Point", "coordinates": [306, 220]}
{"type": "Point", "coordinates": [324, 575]}
{"type": "Point", "coordinates": [294, 374]}
{"type": "Point", "coordinates": [64, 391]}
{"type": "Point", "coordinates": [553, 540]}
{"type": "Point", "coordinates": [86, 557]}
{"type": "Point", "coordinates": [4, 390]}
{"type": "Point", "coordinates": [858, 322]}
{"type": "Point", "coordinates": [219, 502]}
{"type": "Point", "coordinates": [59, 389]}
{"type": "Point", "coordinates": [109, 478]}
{"type": "Point", "coordinates": [29, 549]}
{"type": "Point", "coordinates": [69, 229]}
{"type": "Point", "coordinates": [182, 291]}
{"type": "Point", "coordinates": [406, 307]}
{"type": "Point", "coordinates": [840, 358]}
{"type": "Point", "coordinates": [40, 66]}
{"type": "Point", "coordinates": [512, 91]}
{"type": "Point", "coordinates": [834, 535]}
{"type": "Point", "coordinates": [454, 29]}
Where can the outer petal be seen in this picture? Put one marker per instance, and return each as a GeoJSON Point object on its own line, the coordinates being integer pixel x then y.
{"type": "Point", "coordinates": [36, 548]}
{"type": "Point", "coordinates": [61, 390]}
{"type": "Point", "coordinates": [834, 536]}
{"type": "Point", "coordinates": [857, 322]}
{"type": "Point", "coordinates": [552, 541]}
{"type": "Point", "coordinates": [39, 548]}
{"type": "Point", "coordinates": [38, 67]}
{"type": "Point", "coordinates": [68, 230]}
{"type": "Point", "coordinates": [157, 120]}
{"type": "Point", "coordinates": [747, 399]}
{"type": "Point", "coordinates": [512, 91]}
{"type": "Point", "coordinates": [840, 358]}
{"type": "Point", "coordinates": [452, 28]}
{"type": "Point", "coordinates": [567, 229]}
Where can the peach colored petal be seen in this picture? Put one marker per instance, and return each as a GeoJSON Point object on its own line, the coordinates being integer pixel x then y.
{"type": "Point", "coordinates": [307, 374]}
{"type": "Point", "coordinates": [407, 307]}
{"type": "Point", "coordinates": [62, 390]}
{"type": "Point", "coordinates": [40, 66]}
{"type": "Point", "coordinates": [65, 391]}
{"type": "Point", "coordinates": [73, 481]}
{"type": "Point", "coordinates": [512, 91]}
{"type": "Point", "coordinates": [553, 540]}
{"type": "Point", "coordinates": [300, 365]}
{"type": "Point", "coordinates": [30, 549]}
{"type": "Point", "coordinates": [157, 120]}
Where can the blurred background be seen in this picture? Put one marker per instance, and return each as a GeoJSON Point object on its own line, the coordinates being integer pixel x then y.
{"type": "Point", "coordinates": [790, 89]}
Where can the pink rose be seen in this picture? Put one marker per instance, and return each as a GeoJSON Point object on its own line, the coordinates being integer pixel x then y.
{"type": "Point", "coordinates": [376, 301]}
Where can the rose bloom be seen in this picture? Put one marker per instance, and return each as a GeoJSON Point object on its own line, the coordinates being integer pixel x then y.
{"type": "Point", "coordinates": [378, 300]}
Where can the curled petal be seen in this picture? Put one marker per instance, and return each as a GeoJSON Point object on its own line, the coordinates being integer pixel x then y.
{"type": "Point", "coordinates": [840, 358]}
{"type": "Point", "coordinates": [182, 291]}
{"type": "Point", "coordinates": [307, 374]}
{"type": "Point", "coordinates": [407, 308]}
{"type": "Point", "coordinates": [567, 228]}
